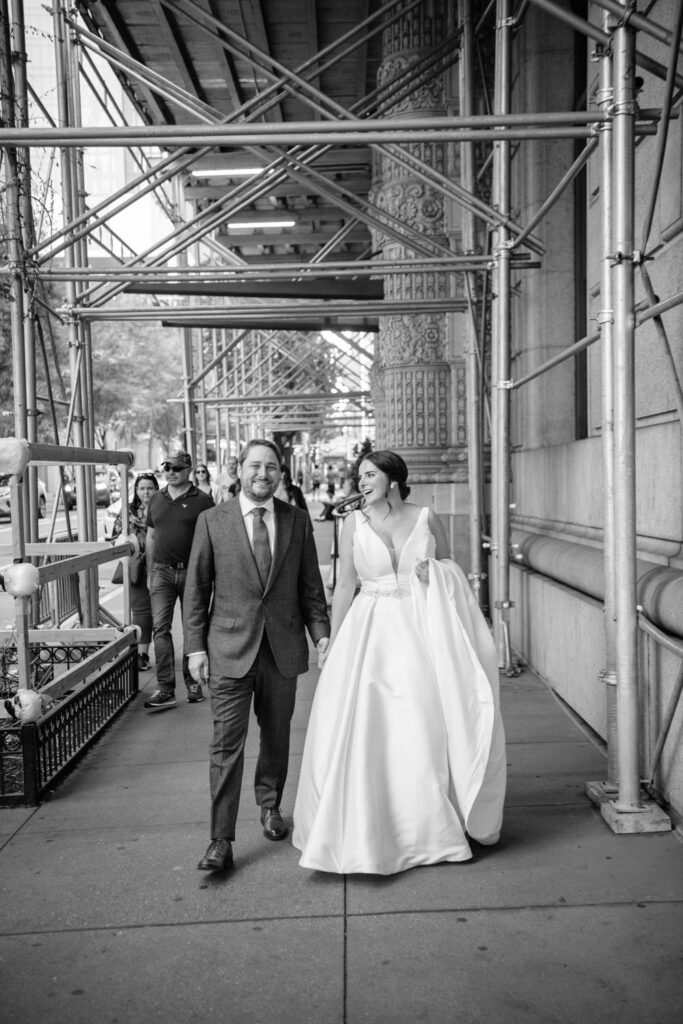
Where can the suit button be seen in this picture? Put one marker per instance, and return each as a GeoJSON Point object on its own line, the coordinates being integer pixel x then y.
{"type": "Point", "coordinates": [264, 600]}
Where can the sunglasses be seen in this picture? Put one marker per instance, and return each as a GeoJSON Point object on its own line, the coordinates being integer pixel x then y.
{"type": "Point", "coordinates": [202, 471]}
{"type": "Point", "coordinates": [168, 467]}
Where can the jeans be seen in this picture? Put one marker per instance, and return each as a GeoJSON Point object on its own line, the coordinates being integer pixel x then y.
{"type": "Point", "coordinates": [166, 586]}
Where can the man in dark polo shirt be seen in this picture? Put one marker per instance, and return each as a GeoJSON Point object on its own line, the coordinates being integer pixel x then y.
{"type": "Point", "coordinates": [171, 518]}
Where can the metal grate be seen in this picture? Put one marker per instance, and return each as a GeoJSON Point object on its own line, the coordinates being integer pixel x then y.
{"type": "Point", "coordinates": [46, 661]}
{"type": "Point", "coordinates": [35, 758]}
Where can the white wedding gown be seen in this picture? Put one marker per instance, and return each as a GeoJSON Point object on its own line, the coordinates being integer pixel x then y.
{"type": "Point", "coordinates": [405, 750]}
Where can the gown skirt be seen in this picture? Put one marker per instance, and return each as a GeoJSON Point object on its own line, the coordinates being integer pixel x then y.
{"type": "Point", "coordinates": [405, 751]}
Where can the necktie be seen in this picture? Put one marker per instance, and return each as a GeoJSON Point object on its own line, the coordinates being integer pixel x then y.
{"type": "Point", "coordinates": [261, 545]}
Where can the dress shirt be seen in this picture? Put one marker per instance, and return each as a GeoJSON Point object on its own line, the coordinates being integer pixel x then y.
{"type": "Point", "coordinates": [246, 506]}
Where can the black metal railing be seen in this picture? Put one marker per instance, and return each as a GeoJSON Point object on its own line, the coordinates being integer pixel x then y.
{"type": "Point", "coordinates": [46, 662]}
{"type": "Point", "coordinates": [35, 757]}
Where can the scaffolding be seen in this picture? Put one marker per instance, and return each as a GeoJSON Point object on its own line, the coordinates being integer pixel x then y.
{"type": "Point", "coordinates": [260, 374]}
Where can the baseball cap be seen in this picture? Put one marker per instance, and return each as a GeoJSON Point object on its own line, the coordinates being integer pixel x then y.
{"type": "Point", "coordinates": [179, 458]}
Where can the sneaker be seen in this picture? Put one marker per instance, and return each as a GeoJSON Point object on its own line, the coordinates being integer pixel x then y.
{"type": "Point", "coordinates": [160, 700]}
{"type": "Point", "coordinates": [143, 662]}
{"type": "Point", "coordinates": [194, 694]}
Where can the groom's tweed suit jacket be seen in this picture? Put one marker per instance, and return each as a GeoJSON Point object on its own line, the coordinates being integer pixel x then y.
{"type": "Point", "coordinates": [226, 609]}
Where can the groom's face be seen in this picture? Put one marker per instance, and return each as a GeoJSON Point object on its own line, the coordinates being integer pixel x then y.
{"type": "Point", "coordinates": [259, 473]}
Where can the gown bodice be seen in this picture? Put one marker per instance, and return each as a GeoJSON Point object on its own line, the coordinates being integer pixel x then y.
{"type": "Point", "coordinates": [373, 559]}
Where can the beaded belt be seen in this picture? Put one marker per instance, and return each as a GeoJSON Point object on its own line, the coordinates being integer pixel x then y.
{"type": "Point", "coordinates": [385, 591]}
{"type": "Point", "coordinates": [171, 565]}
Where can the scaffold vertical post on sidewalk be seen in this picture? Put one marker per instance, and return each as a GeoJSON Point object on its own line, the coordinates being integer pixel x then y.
{"type": "Point", "coordinates": [631, 811]}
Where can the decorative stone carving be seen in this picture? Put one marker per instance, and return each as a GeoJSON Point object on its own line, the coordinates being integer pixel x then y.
{"type": "Point", "coordinates": [417, 30]}
{"type": "Point", "coordinates": [417, 406]}
{"type": "Point", "coordinates": [411, 338]}
{"type": "Point", "coordinates": [413, 203]}
{"type": "Point", "coordinates": [460, 387]}
{"type": "Point", "coordinates": [426, 96]}
{"type": "Point", "coordinates": [421, 285]}
{"type": "Point", "coordinates": [412, 379]}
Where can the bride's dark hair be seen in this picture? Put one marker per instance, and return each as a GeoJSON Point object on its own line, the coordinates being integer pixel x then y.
{"type": "Point", "coordinates": [391, 464]}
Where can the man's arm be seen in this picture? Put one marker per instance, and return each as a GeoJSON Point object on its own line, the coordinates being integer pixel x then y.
{"type": "Point", "coordinates": [311, 589]}
{"type": "Point", "coordinates": [149, 551]}
{"type": "Point", "coordinates": [197, 598]}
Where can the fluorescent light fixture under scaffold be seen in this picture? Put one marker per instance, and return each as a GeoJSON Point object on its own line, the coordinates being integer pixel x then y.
{"type": "Point", "coordinates": [226, 172]}
{"type": "Point", "coordinates": [257, 223]}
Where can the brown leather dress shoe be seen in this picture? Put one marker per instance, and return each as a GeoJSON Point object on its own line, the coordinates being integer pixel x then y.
{"type": "Point", "coordinates": [273, 825]}
{"type": "Point", "coordinates": [218, 857]}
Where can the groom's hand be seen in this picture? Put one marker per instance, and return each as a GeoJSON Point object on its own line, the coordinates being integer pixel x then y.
{"type": "Point", "coordinates": [322, 647]}
{"type": "Point", "coordinates": [198, 667]}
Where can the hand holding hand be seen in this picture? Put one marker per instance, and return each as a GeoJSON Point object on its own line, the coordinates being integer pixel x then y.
{"type": "Point", "coordinates": [198, 666]}
{"type": "Point", "coordinates": [322, 648]}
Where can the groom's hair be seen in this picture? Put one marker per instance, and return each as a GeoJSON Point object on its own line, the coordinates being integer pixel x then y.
{"type": "Point", "coordinates": [260, 442]}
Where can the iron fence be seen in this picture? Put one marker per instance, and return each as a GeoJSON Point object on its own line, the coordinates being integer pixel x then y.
{"type": "Point", "coordinates": [34, 758]}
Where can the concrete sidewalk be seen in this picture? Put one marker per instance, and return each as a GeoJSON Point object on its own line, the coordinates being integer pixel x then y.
{"type": "Point", "coordinates": [106, 919]}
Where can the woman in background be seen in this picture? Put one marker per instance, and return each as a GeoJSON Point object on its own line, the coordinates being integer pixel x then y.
{"type": "Point", "coordinates": [140, 606]}
{"type": "Point", "coordinates": [289, 491]}
{"type": "Point", "coordinates": [202, 479]}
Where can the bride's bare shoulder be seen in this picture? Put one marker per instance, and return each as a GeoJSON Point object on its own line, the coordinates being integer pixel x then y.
{"type": "Point", "coordinates": [412, 510]}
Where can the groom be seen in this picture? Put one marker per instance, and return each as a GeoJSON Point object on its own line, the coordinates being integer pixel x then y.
{"type": "Point", "coordinates": [253, 584]}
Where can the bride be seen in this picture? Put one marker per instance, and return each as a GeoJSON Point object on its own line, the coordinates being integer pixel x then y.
{"type": "Point", "coordinates": [404, 756]}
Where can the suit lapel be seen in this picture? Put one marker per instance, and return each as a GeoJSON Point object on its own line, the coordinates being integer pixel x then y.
{"type": "Point", "coordinates": [284, 524]}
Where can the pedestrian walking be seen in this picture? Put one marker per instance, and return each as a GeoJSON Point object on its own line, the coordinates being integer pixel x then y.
{"type": "Point", "coordinates": [171, 519]}
{"type": "Point", "coordinates": [253, 588]}
{"type": "Point", "coordinates": [316, 480]}
{"type": "Point", "coordinates": [146, 484]}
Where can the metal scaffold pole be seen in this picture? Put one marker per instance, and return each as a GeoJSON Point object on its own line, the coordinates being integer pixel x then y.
{"type": "Point", "coordinates": [606, 320]}
{"type": "Point", "coordinates": [77, 353]}
{"type": "Point", "coordinates": [500, 371]}
{"type": "Point", "coordinates": [17, 314]}
{"type": "Point", "coordinates": [602, 789]}
{"type": "Point", "coordinates": [630, 811]}
{"type": "Point", "coordinates": [23, 168]}
{"type": "Point", "coordinates": [473, 353]}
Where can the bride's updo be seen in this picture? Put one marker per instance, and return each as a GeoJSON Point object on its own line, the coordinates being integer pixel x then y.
{"type": "Point", "coordinates": [394, 467]}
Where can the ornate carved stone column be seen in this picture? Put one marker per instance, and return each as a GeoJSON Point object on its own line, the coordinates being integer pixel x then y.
{"type": "Point", "coordinates": [413, 378]}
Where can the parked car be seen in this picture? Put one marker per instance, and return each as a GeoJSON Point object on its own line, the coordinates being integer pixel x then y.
{"type": "Point", "coordinates": [113, 510]}
{"type": "Point", "coordinates": [5, 508]}
{"type": "Point", "coordinates": [107, 486]}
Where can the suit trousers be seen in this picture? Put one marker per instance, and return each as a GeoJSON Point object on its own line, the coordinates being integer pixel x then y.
{"type": "Point", "coordinates": [274, 697]}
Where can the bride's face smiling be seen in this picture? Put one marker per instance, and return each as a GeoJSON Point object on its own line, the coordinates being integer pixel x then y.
{"type": "Point", "coordinates": [373, 483]}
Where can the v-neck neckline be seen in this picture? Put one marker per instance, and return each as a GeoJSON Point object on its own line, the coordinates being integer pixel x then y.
{"type": "Point", "coordinates": [395, 567]}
